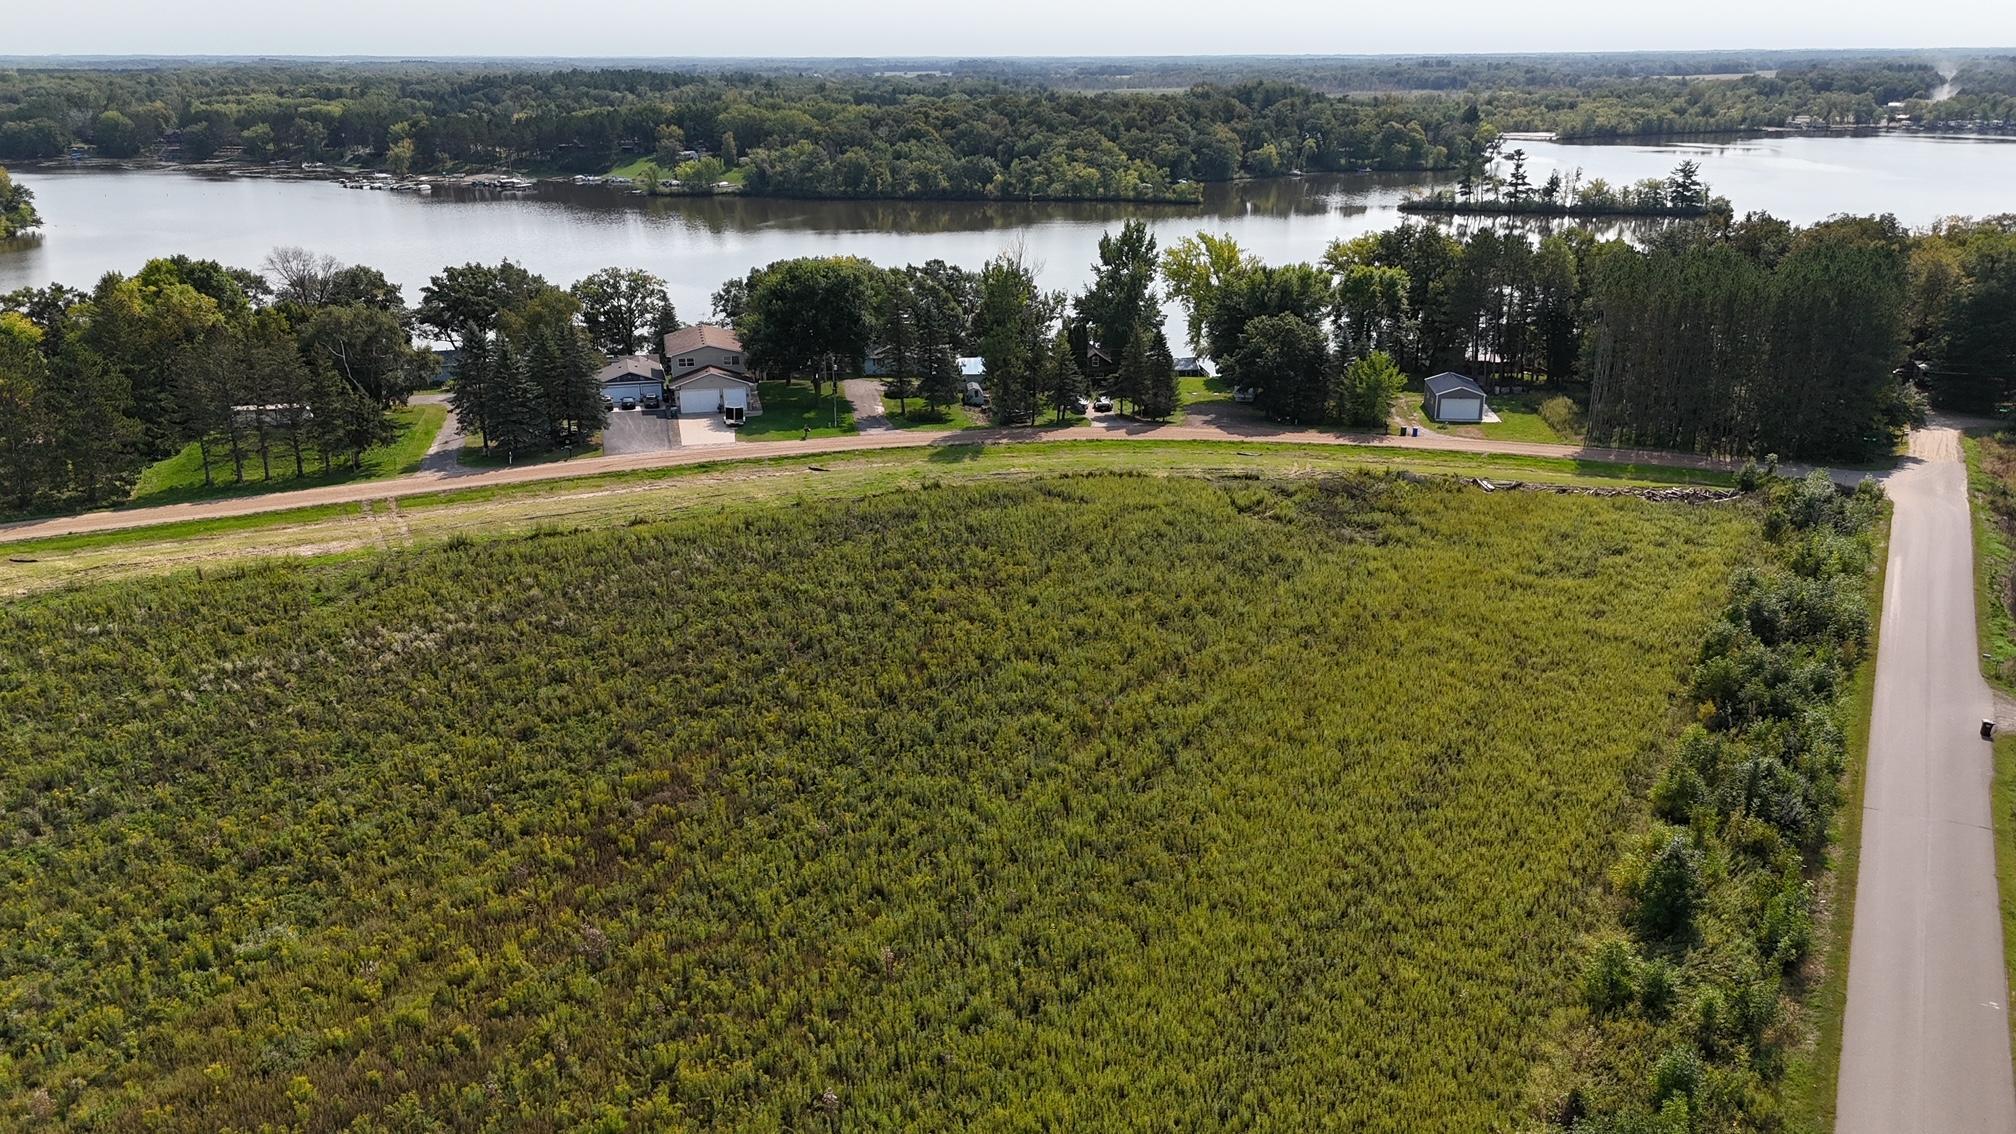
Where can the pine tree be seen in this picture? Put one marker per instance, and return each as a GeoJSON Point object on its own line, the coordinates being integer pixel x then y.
{"type": "Point", "coordinates": [518, 415]}
{"type": "Point", "coordinates": [938, 379]}
{"type": "Point", "coordinates": [1063, 382]}
{"type": "Point", "coordinates": [474, 397]}
{"type": "Point", "coordinates": [1159, 396]}
{"type": "Point", "coordinates": [1130, 381]}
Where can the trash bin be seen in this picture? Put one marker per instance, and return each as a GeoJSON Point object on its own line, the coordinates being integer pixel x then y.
{"type": "Point", "coordinates": [1987, 730]}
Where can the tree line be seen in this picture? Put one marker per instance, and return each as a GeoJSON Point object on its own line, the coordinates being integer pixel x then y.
{"type": "Point", "coordinates": [1040, 350]}
{"type": "Point", "coordinates": [975, 134]}
{"type": "Point", "coordinates": [787, 136]}
{"type": "Point", "coordinates": [295, 368]}
{"type": "Point", "coordinates": [250, 368]}
{"type": "Point", "coordinates": [17, 207]}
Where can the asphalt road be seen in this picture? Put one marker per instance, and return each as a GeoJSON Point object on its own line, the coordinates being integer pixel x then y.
{"type": "Point", "coordinates": [1925, 1046]}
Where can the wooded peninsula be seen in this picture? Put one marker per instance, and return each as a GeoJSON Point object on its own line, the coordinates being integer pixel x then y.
{"type": "Point", "coordinates": [988, 131]}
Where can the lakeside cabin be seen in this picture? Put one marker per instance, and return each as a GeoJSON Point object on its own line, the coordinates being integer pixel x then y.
{"type": "Point", "coordinates": [1452, 398]}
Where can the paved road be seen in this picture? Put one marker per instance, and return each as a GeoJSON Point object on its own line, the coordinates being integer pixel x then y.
{"type": "Point", "coordinates": [1926, 1041]}
{"type": "Point", "coordinates": [1116, 429]}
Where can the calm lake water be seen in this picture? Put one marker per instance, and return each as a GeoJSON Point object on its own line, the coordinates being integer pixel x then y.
{"type": "Point", "coordinates": [98, 221]}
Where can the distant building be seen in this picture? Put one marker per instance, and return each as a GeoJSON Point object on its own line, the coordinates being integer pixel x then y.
{"type": "Point", "coordinates": [1192, 366]}
{"type": "Point", "coordinates": [1453, 398]}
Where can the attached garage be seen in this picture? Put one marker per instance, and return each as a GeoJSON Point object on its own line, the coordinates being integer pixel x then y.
{"type": "Point", "coordinates": [1451, 397]}
{"type": "Point", "coordinates": [711, 389]}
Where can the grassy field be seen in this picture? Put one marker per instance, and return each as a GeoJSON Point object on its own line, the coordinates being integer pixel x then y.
{"type": "Point", "coordinates": [1090, 802]}
{"type": "Point", "coordinates": [1991, 478]}
{"type": "Point", "coordinates": [179, 478]}
{"type": "Point", "coordinates": [654, 494]}
{"type": "Point", "coordinates": [474, 456]}
{"type": "Point", "coordinates": [792, 411]}
{"type": "Point", "coordinates": [955, 417]}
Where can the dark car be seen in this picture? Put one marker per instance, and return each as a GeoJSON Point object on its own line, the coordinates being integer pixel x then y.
{"type": "Point", "coordinates": [608, 402]}
{"type": "Point", "coordinates": [628, 403]}
{"type": "Point", "coordinates": [652, 401]}
{"type": "Point", "coordinates": [1104, 404]}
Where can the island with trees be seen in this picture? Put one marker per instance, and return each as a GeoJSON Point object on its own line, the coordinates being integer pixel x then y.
{"type": "Point", "coordinates": [1481, 190]}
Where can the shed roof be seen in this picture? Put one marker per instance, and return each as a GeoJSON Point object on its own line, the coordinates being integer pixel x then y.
{"type": "Point", "coordinates": [973, 366]}
{"type": "Point", "coordinates": [1450, 382]}
{"type": "Point", "coordinates": [702, 335]}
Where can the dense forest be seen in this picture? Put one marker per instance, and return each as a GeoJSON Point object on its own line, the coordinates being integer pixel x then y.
{"type": "Point", "coordinates": [973, 133]}
{"type": "Point", "coordinates": [300, 363]}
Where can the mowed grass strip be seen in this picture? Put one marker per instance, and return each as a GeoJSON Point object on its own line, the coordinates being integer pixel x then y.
{"type": "Point", "coordinates": [1106, 802]}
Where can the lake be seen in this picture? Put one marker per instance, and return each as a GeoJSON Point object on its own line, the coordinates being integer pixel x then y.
{"type": "Point", "coordinates": [105, 220]}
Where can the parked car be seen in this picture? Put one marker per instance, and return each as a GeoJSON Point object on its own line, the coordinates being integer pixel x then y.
{"type": "Point", "coordinates": [653, 401]}
{"type": "Point", "coordinates": [734, 416]}
{"type": "Point", "coordinates": [1076, 407]}
{"type": "Point", "coordinates": [1245, 394]}
{"type": "Point", "coordinates": [1103, 404]}
{"type": "Point", "coordinates": [627, 403]}
{"type": "Point", "coordinates": [608, 402]}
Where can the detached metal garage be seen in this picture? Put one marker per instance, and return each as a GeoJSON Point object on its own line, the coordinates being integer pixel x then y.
{"type": "Point", "coordinates": [637, 376]}
{"type": "Point", "coordinates": [1452, 397]}
{"type": "Point", "coordinates": [711, 389]}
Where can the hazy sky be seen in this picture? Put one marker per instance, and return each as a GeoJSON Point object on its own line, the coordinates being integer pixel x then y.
{"type": "Point", "coordinates": [966, 27]}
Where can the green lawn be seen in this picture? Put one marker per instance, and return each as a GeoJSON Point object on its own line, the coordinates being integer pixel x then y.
{"type": "Point", "coordinates": [473, 455]}
{"type": "Point", "coordinates": [792, 410]}
{"type": "Point", "coordinates": [1190, 391]}
{"type": "Point", "coordinates": [951, 417]}
{"type": "Point", "coordinates": [1991, 477]}
{"type": "Point", "coordinates": [1519, 416]}
{"type": "Point", "coordinates": [180, 478]}
{"type": "Point", "coordinates": [1091, 802]}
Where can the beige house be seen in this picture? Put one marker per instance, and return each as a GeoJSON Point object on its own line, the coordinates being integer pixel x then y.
{"type": "Point", "coordinates": [702, 345]}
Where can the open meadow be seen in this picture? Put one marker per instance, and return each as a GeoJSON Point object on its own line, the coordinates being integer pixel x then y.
{"type": "Point", "coordinates": [1094, 802]}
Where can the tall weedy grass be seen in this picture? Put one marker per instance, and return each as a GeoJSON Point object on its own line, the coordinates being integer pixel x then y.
{"type": "Point", "coordinates": [1095, 803]}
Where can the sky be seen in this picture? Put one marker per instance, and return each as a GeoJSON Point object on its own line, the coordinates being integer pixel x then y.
{"type": "Point", "coordinates": [663, 28]}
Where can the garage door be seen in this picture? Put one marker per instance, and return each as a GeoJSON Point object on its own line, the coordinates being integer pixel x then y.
{"type": "Point", "coordinates": [737, 398]}
{"type": "Point", "coordinates": [617, 391]}
{"type": "Point", "coordinates": [699, 401]}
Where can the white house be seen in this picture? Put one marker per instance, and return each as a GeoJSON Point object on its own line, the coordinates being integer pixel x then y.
{"type": "Point", "coordinates": [1453, 398]}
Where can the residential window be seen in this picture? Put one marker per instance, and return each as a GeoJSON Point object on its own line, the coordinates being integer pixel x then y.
{"type": "Point", "coordinates": [685, 362]}
{"type": "Point", "coordinates": [734, 360]}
